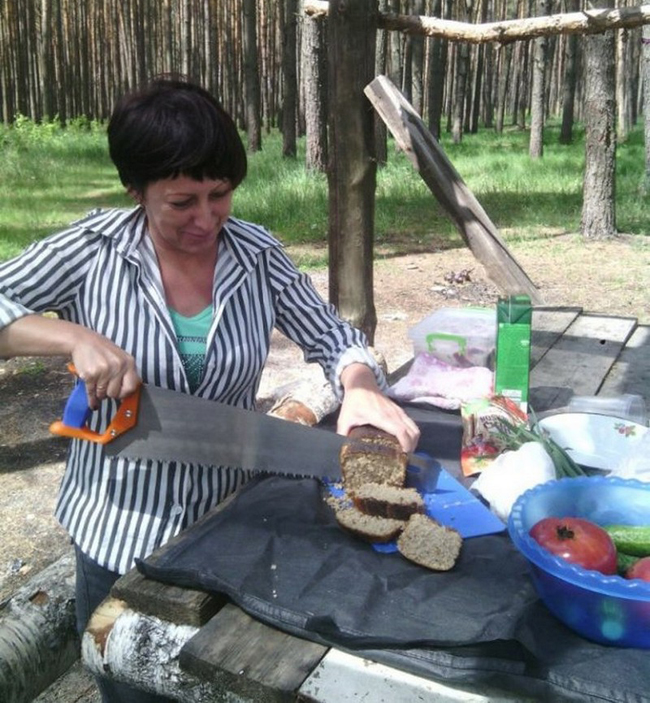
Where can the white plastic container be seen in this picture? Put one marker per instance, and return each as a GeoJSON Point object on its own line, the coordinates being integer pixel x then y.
{"type": "Point", "coordinates": [628, 406]}
{"type": "Point", "coordinates": [458, 336]}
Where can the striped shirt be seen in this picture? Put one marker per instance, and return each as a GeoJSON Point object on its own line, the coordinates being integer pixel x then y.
{"type": "Point", "coordinates": [102, 272]}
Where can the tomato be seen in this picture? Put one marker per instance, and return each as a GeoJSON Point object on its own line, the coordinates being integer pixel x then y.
{"type": "Point", "coordinates": [639, 570]}
{"type": "Point", "coordinates": [577, 540]}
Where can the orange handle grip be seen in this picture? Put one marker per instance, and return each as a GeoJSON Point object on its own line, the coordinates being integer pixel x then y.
{"type": "Point", "coordinates": [74, 421]}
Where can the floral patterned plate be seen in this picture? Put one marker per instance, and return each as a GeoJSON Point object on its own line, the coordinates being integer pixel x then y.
{"type": "Point", "coordinates": [593, 440]}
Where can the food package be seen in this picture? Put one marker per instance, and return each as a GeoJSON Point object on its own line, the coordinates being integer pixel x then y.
{"type": "Point", "coordinates": [483, 421]}
{"type": "Point", "coordinates": [512, 373]}
{"type": "Point", "coordinates": [460, 337]}
{"type": "Point", "coordinates": [432, 381]}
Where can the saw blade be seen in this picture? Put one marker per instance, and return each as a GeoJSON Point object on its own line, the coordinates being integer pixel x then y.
{"type": "Point", "coordinates": [173, 426]}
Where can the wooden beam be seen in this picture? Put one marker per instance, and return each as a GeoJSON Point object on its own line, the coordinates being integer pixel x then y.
{"type": "Point", "coordinates": [587, 22]}
{"type": "Point", "coordinates": [260, 662]}
{"type": "Point", "coordinates": [428, 158]}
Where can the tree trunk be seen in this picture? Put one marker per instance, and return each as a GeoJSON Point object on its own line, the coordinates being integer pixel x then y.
{"type": "Point", "coordinates": [395, 62]}
{"type": "Point", "coordinates": [623, 96]}
{"type": "Point", "coordinates": [314, 76]}
{"type": "Point", "coordinates": [381, 49]}
{"type": "Point", "coordinates": [437, 70]}
{"type": "Point", "coordinates": [352, 167]}
{"type": "Point", "coordinates": [599, 207]}
{"type": "Point", "coordinates": [646, 104]}
{"type": "Point", "coordinates": [417, 62]}
{"type": "Point", "coordinates": [251, 76]}
{"type": "Point", "coordinates": [570, 79]}
{"type": "Point", "coordinates": [460, 84]}
{"type": "Point", "coordinates": [537, 108]}
{"type": "Point", "coordinates": [290, 93]}
{"type": "Point", "coordinates": [521, 105]}
{"type": "Point", "coordinates": [505, 61]}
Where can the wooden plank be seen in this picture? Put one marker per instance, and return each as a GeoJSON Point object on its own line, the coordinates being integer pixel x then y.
{"type": "Point", "coordinates": [631, 373]}
{"type": "Point", "coordinates": [431, 162]}
{"type": "Point", "coordinates": [252, 658]}
{"type": "Point", "coordinates": [181, 606]}
{"type": "Point", "coordinates": [579, 361]}
{"type": "Point", "coordinates": [344, 678]}
{"type": "Point", "coordinates": [549, 324]}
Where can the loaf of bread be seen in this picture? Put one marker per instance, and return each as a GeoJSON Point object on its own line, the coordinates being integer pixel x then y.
{"type": "Point", "coordinates": [387, 501]}
{"type": "Point", "coordinates": [368, 527]}
{"type": "Point", "coordinates": [429, 544]}
{"type": "Point", "coordinates": [372, 456]}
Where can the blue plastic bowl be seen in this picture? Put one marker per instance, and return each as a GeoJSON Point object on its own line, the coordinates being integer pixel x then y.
{"type": "Point", "coordinates": [606, 609]}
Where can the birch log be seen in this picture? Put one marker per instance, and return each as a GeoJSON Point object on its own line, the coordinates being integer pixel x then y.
{"type": "Point", "coordinates": [142, 651]}
{"type": "Point", "coordinates": [594, 21]}
{"type": "Point", "coordinates": [38, 637]}
{"type": "Point", "coordinates": [310, 402]}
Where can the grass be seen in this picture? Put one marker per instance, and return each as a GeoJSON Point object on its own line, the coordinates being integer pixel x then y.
{"type": "Point", "coordinates": [51, 176]}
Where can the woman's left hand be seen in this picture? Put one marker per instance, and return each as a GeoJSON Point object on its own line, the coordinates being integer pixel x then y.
{"type": "Point", "coordinates": [365, 404]}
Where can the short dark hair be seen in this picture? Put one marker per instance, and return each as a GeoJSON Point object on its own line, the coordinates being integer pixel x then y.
{"type": "Point", "coordinates": [170, 128]}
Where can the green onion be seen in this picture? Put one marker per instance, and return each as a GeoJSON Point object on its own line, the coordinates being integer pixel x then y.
{"type": "Point", "coordinates": [511, 436]}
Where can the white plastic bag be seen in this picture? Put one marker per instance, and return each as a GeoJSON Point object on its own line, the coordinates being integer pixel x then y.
{"type": "Point", "coordinates": [512, 473]}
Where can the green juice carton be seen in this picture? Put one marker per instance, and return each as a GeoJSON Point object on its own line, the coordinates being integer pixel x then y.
{"type": "Point", "coordinates": [512, 369]}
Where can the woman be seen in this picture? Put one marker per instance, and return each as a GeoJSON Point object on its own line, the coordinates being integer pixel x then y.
{"type": "Point", "coordinates": [178, 293]}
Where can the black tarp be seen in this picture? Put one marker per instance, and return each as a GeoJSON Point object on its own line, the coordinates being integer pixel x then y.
{"type": "Point", "coordinates": [278, 553]}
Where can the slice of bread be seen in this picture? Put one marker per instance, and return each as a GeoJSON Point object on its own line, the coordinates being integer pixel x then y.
{"type": "Point", "coordinates": [387, 501]}
{"type": "Point", "coordinates": [369, 527]}
{"type": "Point", "coordinates": [372, 456]}
{"type": "Point", "coordinates": [429, 544]}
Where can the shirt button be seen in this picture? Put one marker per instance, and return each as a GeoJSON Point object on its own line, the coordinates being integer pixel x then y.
{"type": "Point", "coordinates": [176, 510]}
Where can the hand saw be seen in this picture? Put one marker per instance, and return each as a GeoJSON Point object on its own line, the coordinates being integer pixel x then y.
{"type": "Point", "coordinates": [165, 425]}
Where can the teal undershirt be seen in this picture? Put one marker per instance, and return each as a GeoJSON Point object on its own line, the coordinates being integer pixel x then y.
{"type": "Point", "coordinates": [191, 336]}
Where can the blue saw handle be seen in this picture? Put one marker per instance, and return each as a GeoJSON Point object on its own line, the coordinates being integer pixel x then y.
{"type": "Point", "coordinates": [77, 411]}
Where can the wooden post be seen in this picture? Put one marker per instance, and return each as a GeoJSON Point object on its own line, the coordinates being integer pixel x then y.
{"type": "Point", "coordinates": [352, 166]}
{"type": "Point", "coordinates": [428, 158]}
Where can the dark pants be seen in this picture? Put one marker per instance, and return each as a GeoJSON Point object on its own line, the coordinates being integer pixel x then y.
{"type": "Point", "coordinates": [93, 586]}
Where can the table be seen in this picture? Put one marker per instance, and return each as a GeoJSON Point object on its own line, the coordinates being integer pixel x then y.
{"type": "Point", "coordinates": [198, 647]}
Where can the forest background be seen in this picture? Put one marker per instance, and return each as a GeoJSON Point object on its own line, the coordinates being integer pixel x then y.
{"type": "Point", "coordinates": [268, 63]}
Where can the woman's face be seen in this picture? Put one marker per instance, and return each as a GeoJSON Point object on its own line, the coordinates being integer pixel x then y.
{"type": "Point", "coordinates": [185, 215]}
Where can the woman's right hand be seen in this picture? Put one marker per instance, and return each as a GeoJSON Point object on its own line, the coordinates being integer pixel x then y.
{"type": "Point", "coordinates": [106, 369]}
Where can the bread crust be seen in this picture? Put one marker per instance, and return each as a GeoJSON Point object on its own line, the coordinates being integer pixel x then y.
{"type": "Point", "coordinates": [372, 456]}
{"type": "Point", "coordinates": [388, 501]}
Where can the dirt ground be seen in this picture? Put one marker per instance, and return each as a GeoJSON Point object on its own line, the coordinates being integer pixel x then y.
{"type": "Point", "coordinates": [611, 277]}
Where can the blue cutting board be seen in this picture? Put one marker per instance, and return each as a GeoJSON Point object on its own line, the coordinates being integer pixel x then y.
{"type": "Point", "coordinates": [452, 505]}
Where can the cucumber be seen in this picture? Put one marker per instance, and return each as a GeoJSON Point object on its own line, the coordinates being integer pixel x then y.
{"type": "Point", "coordinates": [630, 539]}
{"type": "Point", "coordinates": [624, 562]}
